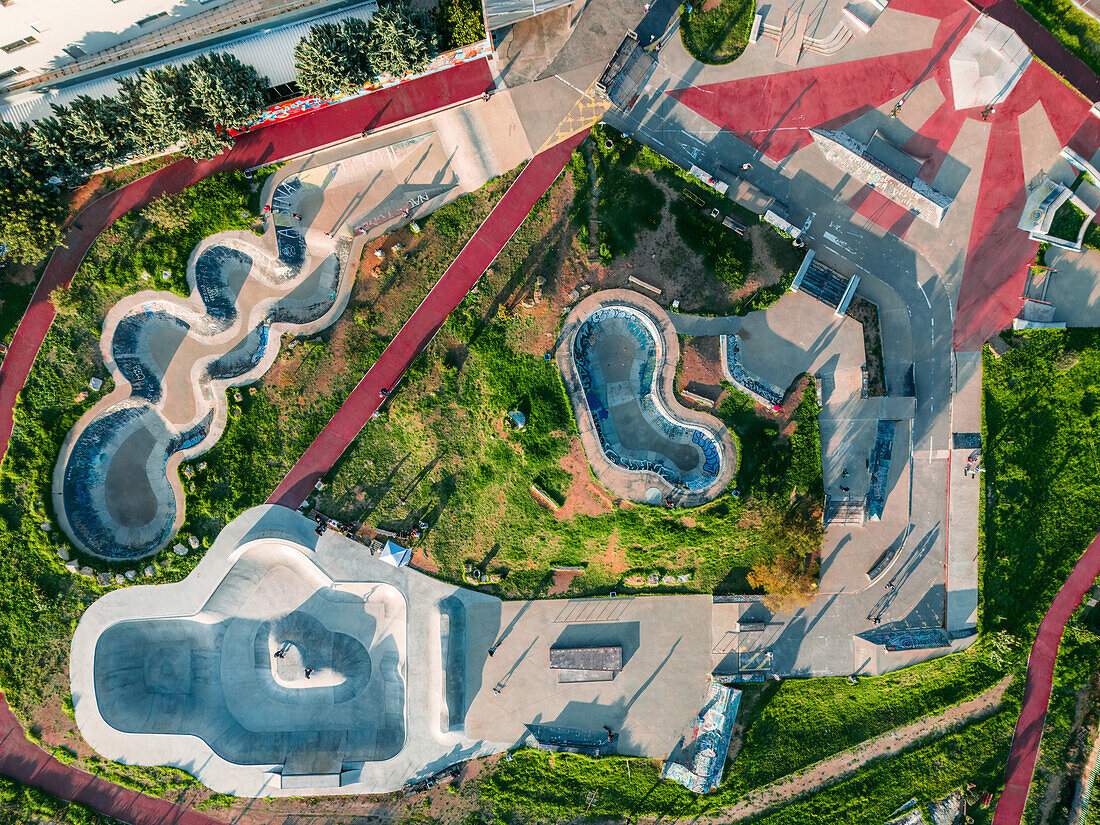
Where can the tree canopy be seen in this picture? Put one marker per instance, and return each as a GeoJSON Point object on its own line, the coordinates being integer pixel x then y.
{"type": "Point", "coordinates": [459, 23]}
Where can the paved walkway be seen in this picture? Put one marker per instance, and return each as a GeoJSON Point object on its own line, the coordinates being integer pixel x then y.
{"type": "Point", "coordinates": [418, 331]}
{"type": "Point", "coordinates": [22, 760]}
{"type": "Point", "coordinates": [843, 765]}
{"type": "Point", "coordinates": [1040, 673]}
{"type": "Point", "coordinates": [281, 140]}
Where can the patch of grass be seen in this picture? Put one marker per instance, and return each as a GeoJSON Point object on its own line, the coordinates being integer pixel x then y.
{"type": "Point", "coordinates": [1076, 30]}
{"type": "Point", "coordinates": [1041, 454]}
{"type": "Point", "coordinates": [24, 805]}
{"type": "Point", "coordinates": [806, 447]}
{"type": "Point", "coordinates": [803, 721]}
{"type": "Point", "coordinates": [1067, 222]}
{"type": "Point", "coordinates": [627, 202]}
{"type": "Point", "coordinates": [792, 725]}
{"type": "Point", "coordinates": [975, 753]}
{"type": "Point", "coordinates": [720, 34]}
{"type": "Point", "coordinates": [271, 427]}
{"type": "Point", "coordinates": [13, 303]}
{"type": "Point", "coordinates": [727, 255]}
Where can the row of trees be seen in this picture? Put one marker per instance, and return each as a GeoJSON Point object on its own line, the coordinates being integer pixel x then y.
{"type": "Point", "coordinates": [339, 58]}
{"type": "Point", "coordinates": [195, 105]}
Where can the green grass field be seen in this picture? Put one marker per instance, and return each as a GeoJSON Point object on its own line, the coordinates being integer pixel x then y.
{"type": "Point", "coordinates": [1042, 456]}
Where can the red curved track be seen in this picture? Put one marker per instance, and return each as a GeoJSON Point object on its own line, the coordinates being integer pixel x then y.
{"type": "Point", "coordinates": [1040, 674]}
{"type": "Point", "coordinates": [279, 140]}
{"type": "Point", "coordinates": [423, 324]}
{"type": "Point", "coordinates": [25, 762]}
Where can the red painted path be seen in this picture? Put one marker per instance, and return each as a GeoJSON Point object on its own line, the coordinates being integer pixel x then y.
{"type": "Point", "coordinates": [279, 140]}
{"type": "Point", "coordinates": [25, 762]}
{"type": "Point", "coordinates": [1040, 673]}
{"type": "Point", "coordinates": [490, 238]}
{"type": "Point", "coordinates": [776, 112]}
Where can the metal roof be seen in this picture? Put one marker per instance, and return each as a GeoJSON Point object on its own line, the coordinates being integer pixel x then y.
{"type": "Point", "coordinates": [270, 52]}
{"type": "Point", "coordinates": [500, 13]}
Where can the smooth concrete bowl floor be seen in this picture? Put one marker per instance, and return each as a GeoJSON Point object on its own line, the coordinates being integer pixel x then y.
{"type": "Point", "coordinates": [216, 676]}
{"type": "Point", "coordinates": [619, 356]}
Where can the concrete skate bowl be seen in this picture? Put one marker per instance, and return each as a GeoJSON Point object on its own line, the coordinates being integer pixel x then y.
{"type": "Point", "coordinates": [452, 637]}
{"type": "Point", "coordinates": [115, 485]}
{"type": "Point", "coordinates": [214, 675]}
{"type": "Point", "coordinates": [618, 371]}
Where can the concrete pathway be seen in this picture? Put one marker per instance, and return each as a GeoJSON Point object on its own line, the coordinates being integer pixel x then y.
{"type": "Point", "coordinates": [1040, 675]}
{"type": "Point", "coordinates": [843, 765]}
{"type": "Point", "coordinates": [461, 275]}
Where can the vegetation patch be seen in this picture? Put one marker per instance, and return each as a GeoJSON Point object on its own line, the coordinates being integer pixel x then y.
{"type": "Point", "coordinates": [1041, 450]}
{"type": "Point", "coordinates": [23, 805]}
{"type": "Point", "coordinates": [717, 33]}
{"type": "Point", "coordinates": [1067, 222]}
{"type": "Point", "coordinates": [1076, 30]}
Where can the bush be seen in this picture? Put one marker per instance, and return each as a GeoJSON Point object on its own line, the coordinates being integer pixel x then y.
{"type": "Point", "coordinates": [459, 23]}
{"type": "Point", "coordinates": [727, 255]}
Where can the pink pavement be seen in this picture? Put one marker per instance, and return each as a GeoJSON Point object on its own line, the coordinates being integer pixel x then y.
{"type": "Point", "coordinates": [283, 139]}
{"type": "Point", "coordinates": [776, 112]}
{"type": "Point", "coordinates": [490, 238]}
{"type": "Point", "coordinates": [1037, 687]}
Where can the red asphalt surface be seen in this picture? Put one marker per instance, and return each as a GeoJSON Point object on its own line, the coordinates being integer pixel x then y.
{"type": "Point", "coordinates": [775, 113]}
{"type": "Point", "coordinates": [490, 238]}
{"type": "Point", "coordinates": [283, 139]}
{"type": "Point", "coordinates": [25, 762]}
{"type": "Point", "coordinates": [1037, 688]}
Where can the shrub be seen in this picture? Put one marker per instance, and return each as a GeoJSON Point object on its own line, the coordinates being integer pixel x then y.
{"type": "Point", "coordinates": [459, 23]}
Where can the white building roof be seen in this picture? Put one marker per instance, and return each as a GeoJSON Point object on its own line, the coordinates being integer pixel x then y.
{"type": "Point", "coordinates": [91, 25]}
{"type": "Point", "coordinates": [271, 52]}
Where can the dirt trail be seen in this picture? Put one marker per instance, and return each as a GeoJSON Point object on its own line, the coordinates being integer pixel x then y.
{"type": "Point", "coordinates": [844, 764]}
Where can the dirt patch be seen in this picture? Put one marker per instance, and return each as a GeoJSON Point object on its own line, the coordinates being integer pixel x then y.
{"type": "Point", "coordinates": [583, 497]}
{"type": "Point", "coordinates": [562, 580]}
{"type": "Point", "coordinates": [700, 367]}
{"type": "Point", "coordinates": [613, 558]}
{"type": "Point", "coordinates": [867, 314]}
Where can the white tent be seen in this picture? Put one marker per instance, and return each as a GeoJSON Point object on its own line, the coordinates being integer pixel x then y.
{"type": "Point", "coordinates": [395, 554]}
{"type": "Point", "coordinates": [987, 64]}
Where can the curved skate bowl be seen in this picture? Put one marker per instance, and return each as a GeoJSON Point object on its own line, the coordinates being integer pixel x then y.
{"type": "Point", "coordinates": [283, 663]}
{"type": "Point", "coordinates": [116, 489]}
{"type": "Point", "coordinates": [618, 354]}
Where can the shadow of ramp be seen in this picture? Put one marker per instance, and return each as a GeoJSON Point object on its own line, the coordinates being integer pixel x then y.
{"type": "Point", "coordinates": [624, 635]}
